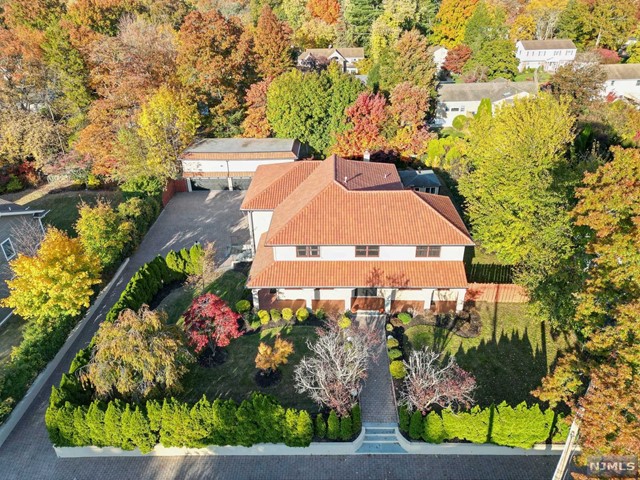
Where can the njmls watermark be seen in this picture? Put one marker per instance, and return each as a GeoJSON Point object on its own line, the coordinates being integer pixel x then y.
{"type": "Point", "coordinates": [613, 466]}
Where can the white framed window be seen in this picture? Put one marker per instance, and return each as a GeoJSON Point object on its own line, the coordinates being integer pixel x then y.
{"type": "Point", "coordinates": [462, 107]}
{"type": "Point", "coordinates": [637, 83]}
{"type": "Point", "coordinates": [428, 251]}
{"type": "Point", "coordinates": [7, 249]}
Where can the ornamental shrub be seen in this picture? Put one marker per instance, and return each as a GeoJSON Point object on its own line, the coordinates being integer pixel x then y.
{"type": "Point", "coordinates": [344, 322]}
{"type": "Point", "coordinates": [275, 315]}
{"type": "Point", "coordinates": [416, 426]}
{"type": "Point", "coordinates": [394, 354]}
{"type": "Point", "coordinates": [472, 426]}
{"type": "Point", "coordinates": [397, 369]}
{"type": "Point", "coordinates": [346, 428]}
{"type": "Point", "coordinates": [405, 318]}
{"type": "Point", "coordinates": [304, 431]}
{"type": "Point", "coordinates": [520, 426]}
{"type": "Point", "coordinates": [404, 417]}
{"type": "Point", "coordinates": [388, 327]}
{"type": "Point", "coordinates": [433, 429]}
{"type": "Point", "coordinates": [320, 314]}
{"type": "Point", "coordinates": [302, 314]}
{"type": "Point", "coordinates": [264, 317]}
{"type": "Point", "coordinates": [321, 426]}
{"type": "Point", "coordinates": [243, 306]}
{"type": "Point", "coordinates": [333, 426]}
{"type": "Point", "coordinates": [392, 342]}
{"type": "Point", "coordinates": [287, 314]}
{"type": "Point", "coordinates": [356, 418]}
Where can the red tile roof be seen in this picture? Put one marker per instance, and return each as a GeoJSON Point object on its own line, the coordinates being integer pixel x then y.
{"type": "Point", "coordinates": [268, 273]}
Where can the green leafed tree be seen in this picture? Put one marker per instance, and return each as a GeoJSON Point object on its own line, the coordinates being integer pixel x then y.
{"type": "Point", "coordinates": [103, 232]}
{"type": "Point", "coordinates": [360, 15]}
{"type": "Point", "coordinates": [517, 199]}
{"type": "Point", "coordinates": [485, 25]}
{"type": "Point", "coordinates": [495, 59]}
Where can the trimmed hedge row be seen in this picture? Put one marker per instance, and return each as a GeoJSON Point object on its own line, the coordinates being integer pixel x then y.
{"type": "Point", "coordinates": [175, 424]}
{"type": "Point", "coordinates": [519, 426]}
{"type": "Point", "coordinates": [152, 276]}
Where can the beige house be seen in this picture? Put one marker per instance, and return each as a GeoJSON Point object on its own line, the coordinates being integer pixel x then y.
{"type": "Point", "coordinates": [345, 57]}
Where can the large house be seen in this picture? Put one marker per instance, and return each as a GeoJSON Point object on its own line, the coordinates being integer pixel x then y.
{"type": "Point", "coordinates": [13, 219]}
{"type": "Point", "coordinates": [545, 54]}
{"type": "Point", "coordinates": [343, 234]}
{"type": "Point", "coordinates": [229, 163]}
{"type": "Point", "coordinates": [464, 98]}
{"type": "Point", "coordinates": [623, 80]}
{"type": "Point", "coordinates": [345, 57]}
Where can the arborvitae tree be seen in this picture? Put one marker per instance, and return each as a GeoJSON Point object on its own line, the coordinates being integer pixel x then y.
{"type": "Point", "coordinates": [404, 417]}
{"type": "Point", "coordinates": [321, 426]}
{"type": "Point", "coordinates": [333, 426]}
{"type": "Point", "coordinates": [81, 431]}
{"type": "Point", "coordinates": [359, 15]}
{"type": "Point", "coordinates": [225, 431]}
{"type": "Point", "coordinates": [356, 415]}
{"type": "Point", "coordinates": [135, 429]}
{"type": "Point", "coordinates": [433, 428]}
{"type": "Point", "coordinates": [416, 427]}
{"type": "Point", "coordinates": [113, 424]}
{"type": "Point", "coordinates": [346, 428]}
{"type": "Point", "coordinates": [291, 427]}
{"type": "Point", "coordinates": [95, 422]}
{"type": "Point", "coordinates": [126, 444]}
{"type": "Point", "coordinates": [304, 428]}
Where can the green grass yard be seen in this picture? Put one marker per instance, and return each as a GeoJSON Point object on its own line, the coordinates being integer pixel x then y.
{"type": "Point", "coordinates": [63, 207]}
{"type": "Point", "coordinates": [235, 378]}
{"type": "Point", "coordinates": [514, 351]}
{"type": "Point", "coordinates": [10, 336]}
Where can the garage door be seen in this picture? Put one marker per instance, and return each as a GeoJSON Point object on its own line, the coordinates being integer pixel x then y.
{"type": "Point", "coordinates": [209, 184]}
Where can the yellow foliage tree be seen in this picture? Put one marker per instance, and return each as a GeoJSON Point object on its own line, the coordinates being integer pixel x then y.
{"type": "Point", "coordinates": [270, 358]}
{"type": "Point", "coordinates": [58, 281]}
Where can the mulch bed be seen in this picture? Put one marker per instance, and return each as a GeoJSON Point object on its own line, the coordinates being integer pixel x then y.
{"type": "Point", "coordinates": [164, 291]}
{"type": "Point", "coordinates": [267, 379]}
{"type": "Point", "coordinates": [208, 359]}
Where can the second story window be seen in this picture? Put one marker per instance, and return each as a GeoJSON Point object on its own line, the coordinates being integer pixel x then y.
{"type": "Point", "coordinates": [367, 251]}
{"type": "Point", "coordinates": [307, 251]}
{"type": "Point", "coordinates": [7, 249]}
{"type": "Point", "coordinates": [429, 251]}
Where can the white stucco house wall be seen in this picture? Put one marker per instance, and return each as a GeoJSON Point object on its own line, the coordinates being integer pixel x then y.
{"type": "Point", "coordinates": [344, 234]}
{"type": "Point", "coordinates": [230, 163]}
{"type": "Point", "coordinates": [439, 54]}
{"type": "Point", "coordinates": [545, 54]}
{"type": "Point", "coordinates": [345, 57]}
{"type": "Point", "coordinates": [464, 98]}
{"type": "Point", "coordinates": [623, 80]}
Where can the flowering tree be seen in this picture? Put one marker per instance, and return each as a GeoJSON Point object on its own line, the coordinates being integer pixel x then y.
{"type": "Point", "coordinates": [270, 358]}
{"type": "Point", "coordinates": [209, 322]}
{"type": "Point", "coordinates": [333, 374]}
{"type": "Point", "coordinates": [429, 383]}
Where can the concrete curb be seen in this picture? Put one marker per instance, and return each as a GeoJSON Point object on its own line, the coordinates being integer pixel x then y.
{"type": "Point", "coordinates": [423, 448]}
{"type": "Point", "coordinates": [260, 449]}
{"type": "Point", "coordinates": [7, 427]}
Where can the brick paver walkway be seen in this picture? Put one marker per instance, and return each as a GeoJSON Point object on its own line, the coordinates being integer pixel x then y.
{"type": "Point", "coordinates": [376, 399]}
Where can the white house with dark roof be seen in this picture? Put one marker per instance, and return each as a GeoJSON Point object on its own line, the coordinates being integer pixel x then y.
{"type": "Point", "coordinates": [345, 57]}
{"type": "Point", "coordinates": [623, 80]}
{"type": "Point", "coordinates": [220, 163]}
{"type": "Point", "coordinates": [545, 54]}
{"type": "Point", "coordinates": [464, 98]}
{"type": "Point", "coordinates": [344, 234]}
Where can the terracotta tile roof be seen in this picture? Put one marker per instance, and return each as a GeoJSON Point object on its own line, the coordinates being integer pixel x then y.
{"type": "Point", "coordinates": [267, 273]}
{"type": "Point", "coordinates": [273, 183]}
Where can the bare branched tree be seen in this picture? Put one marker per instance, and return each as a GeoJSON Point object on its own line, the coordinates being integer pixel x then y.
{"type": "Point", "coordinates": [26, 235]}
{"type": "Point", "coordinates": [430, 382]}
{"type": "Point", "coordinates": [333, 374]}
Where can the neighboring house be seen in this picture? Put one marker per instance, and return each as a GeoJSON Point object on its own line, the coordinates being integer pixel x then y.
{"type": "Point", "coordinates": [346, 57]}
{"type": "Point", "coordinates": [12, 218]}
{"type": "Point", "coordinates": [464, 98]}
{"type": "Point", "coordinates": [545, 54]}
{"type": "Point", "coordinates": [221, 163]}
{"type": "Point", "coordinates": [439, 55]}
{"type": "Point", "coordinates": [420, 180]}
{"type": "Point", "coordinates": [345, 234]}
{"type": "Point", "coordinates": [623, 80]}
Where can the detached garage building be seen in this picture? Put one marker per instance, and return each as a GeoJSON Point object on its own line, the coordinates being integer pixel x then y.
{"type": "Point", "coordinates": [229, 163]}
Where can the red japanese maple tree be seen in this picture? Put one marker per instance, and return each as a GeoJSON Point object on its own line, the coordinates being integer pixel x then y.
{"type": "Point", "coordinates": [209, 322]}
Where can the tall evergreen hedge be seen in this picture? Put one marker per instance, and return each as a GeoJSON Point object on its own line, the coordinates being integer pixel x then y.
{"type": "Point", "coordinates": [519, 426]}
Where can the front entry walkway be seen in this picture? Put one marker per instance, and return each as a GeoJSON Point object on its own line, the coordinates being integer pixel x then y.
{"type": "Point", "coordinates": [377, 400]}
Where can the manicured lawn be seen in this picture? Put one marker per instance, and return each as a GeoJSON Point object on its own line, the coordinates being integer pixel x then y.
{"type": "Point", "coordinates": [63, 207]}
{"type": "Point", "coordinates": [10, 336]}
{"type": "Point", "coordinates": [514, 351]}
{"type": "Point", "coordinates": [530, 77]}
{"type": "Point", "coordinates": [235, 378]}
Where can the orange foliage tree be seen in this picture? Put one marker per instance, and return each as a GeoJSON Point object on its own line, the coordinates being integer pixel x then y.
{"type": "Point", "coordinates": [327, 10]}
{"type": "Point", "coordinates": [272, 44]}
{"type": "Point", "coordinates": [270, 358]}
{"type": "Point", "coordinates": [255, 124]}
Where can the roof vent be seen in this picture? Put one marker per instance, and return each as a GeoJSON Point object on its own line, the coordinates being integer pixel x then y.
{"type": "Point", "coordinates": [366, 156]}
{"type": "Point", "coordinates": [345, 179]}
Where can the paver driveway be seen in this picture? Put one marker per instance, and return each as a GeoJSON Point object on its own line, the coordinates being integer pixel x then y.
{"type": "Point", "coordinates": [202, 216]}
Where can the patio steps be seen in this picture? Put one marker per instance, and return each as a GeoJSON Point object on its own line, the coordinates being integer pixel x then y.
{"type": "Point", "coordinates": [380, 438]}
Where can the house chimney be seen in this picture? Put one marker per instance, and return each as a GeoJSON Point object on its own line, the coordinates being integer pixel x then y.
{"type": "Point", "coordinates": [366, 156]}
{"type": "Point", "coordinates": [346, 179]}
